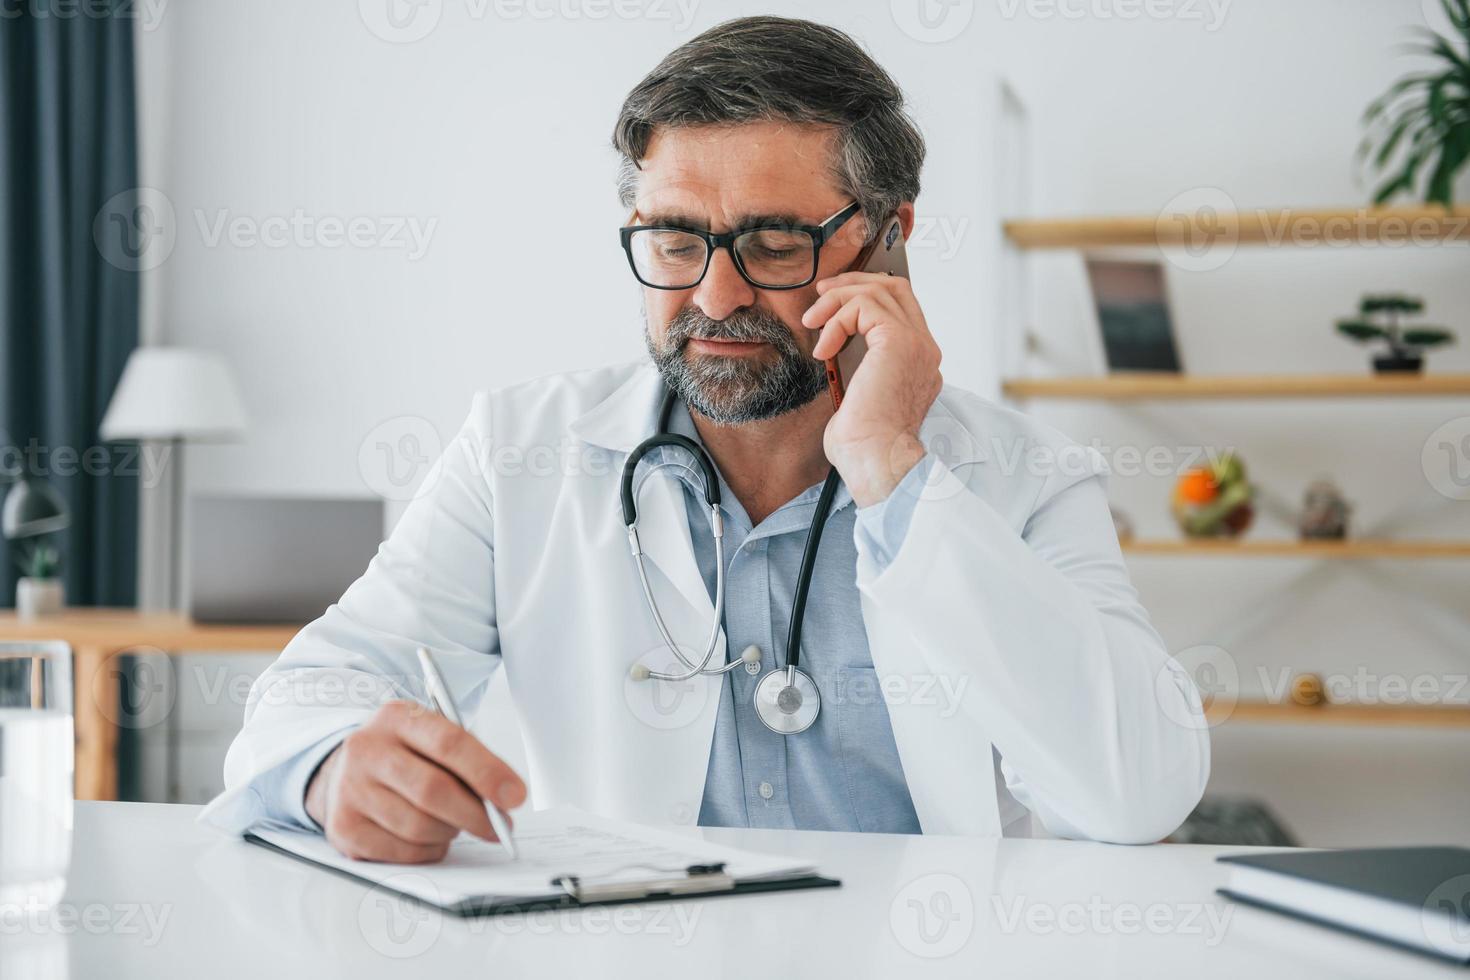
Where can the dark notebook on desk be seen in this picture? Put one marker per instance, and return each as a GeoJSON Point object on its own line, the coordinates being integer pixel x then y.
{"type": "Point", "coordinates": [1417, 898]}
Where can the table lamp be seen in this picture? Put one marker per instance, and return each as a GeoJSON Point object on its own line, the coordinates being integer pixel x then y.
{"type": "Point", "coordinates": [32, 509]}
{"type": "Point", "coordinates": [169, 396]}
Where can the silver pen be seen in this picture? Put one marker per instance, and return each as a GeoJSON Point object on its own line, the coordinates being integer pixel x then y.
{"type": "Point", "coordinates": [441, 702]}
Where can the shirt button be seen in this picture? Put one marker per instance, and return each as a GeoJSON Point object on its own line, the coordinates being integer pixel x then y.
{"type": "Point", "coordinates": [767, 791]}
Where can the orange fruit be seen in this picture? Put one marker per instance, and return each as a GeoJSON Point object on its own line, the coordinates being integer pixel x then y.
{"type": "Point", "coordinates": [1196, 487]}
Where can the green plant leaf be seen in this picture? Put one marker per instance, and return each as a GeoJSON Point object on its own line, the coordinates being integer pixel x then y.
{"type": "Point", "coordinates": [1360, 330]}
{"type": "Point", "coordinates": [1427, 110]}
{"type": "Point", "coordinates": [1405, 180]}
{"type": "Point", "coordinates": [1395, 136]}
{"type": "Point", "coordinates": [1428, 337]}
{"type": "Point", "coordinates": [1380, 105]}
{"type": "Point", "coordinates": [1390, 303]}
{"type": "Point", "coordinates": [1452, 159]}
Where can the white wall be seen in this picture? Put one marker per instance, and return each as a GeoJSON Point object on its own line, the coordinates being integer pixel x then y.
{"type": "Point", "coordinates": [494, 133]}
{"type": "Point", "coordinates": [494, 128]}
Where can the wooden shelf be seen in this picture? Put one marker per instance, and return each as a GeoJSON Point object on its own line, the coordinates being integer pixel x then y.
{"type": "Point", "coordinates": [1151, 386]}
{"type": "Point", "coordinates": [1330, 227]}
{"type": "Point", "coordinates": [1291, 713]}
{"type": "Point", "coordinates": [1287, 548]}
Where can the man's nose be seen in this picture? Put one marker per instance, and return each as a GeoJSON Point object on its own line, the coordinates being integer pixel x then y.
{"type": "Point", "coordinates": [723, 290]}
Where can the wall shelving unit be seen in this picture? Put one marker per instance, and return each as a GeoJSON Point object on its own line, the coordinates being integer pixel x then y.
{"type": "Point", "coordinates": [1282, 227]}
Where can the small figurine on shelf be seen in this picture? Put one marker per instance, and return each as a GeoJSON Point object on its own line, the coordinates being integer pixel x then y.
{"type": "Point", "coordinates": [1324, 513]}
{"type": "Point", "coordinates": [1214, 501]}
{"type": "Point", "coordinates": [1378, 319]}
{"type": "Point", "coordinates": [1308, 691]}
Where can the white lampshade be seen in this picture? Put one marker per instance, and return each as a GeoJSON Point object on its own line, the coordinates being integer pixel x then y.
{"type": "Point", "coordinates": [174, 393]}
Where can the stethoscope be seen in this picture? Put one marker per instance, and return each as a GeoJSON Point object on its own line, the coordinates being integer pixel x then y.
{"type": "Point", "coordinates": [786, 699]}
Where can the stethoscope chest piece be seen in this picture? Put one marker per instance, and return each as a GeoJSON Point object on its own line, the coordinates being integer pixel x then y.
{"type": "Point", "coordinates": [787, 701]}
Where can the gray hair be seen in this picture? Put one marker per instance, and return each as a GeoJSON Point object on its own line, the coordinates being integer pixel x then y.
{"type": "Point", "coordinates": [778, 69]}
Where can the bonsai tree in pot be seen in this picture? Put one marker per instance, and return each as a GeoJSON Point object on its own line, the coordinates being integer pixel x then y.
{"type": "Point", "coordinates": [1379, 319]}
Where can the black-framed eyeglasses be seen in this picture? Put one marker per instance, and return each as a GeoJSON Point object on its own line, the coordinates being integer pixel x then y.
{"type": "Point", "coordinates": [768, 256]}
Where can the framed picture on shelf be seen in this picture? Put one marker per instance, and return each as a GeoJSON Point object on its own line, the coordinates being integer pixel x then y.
{"type": "Point", "coordinates": [1133, 315]}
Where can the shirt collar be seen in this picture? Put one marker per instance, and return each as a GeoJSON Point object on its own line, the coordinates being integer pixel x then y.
{"type": "Point", "coordinates": [682, 423]}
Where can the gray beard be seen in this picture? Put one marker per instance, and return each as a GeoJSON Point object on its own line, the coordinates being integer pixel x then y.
{"type": "Point", "coordinates": [735, 390]}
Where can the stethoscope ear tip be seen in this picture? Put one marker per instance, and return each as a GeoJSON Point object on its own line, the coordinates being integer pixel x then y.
{"type": "Point", "coordinates": [638, 672]}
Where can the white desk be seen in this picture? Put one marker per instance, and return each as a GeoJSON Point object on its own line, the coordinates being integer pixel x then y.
{"type": "Point", "coordinates": [998, 909]}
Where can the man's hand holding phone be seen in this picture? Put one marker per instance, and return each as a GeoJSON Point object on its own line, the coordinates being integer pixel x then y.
{"type": "Point", "coordinates": [873, 439]}
{"type": "Point", "coordinates": [403, 786]}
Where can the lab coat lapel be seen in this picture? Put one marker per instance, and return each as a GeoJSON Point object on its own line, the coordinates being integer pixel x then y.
{"type": "Point", "coordinates": [623, 420]}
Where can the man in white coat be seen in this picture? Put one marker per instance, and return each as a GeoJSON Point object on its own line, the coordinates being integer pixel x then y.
{"type": "Point", "coordinates": [982, 662]}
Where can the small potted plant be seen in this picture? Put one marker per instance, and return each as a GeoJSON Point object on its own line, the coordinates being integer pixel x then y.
{"type": "Point", "coordinates": [39, 591]}
{"type": "Point", "coordinates": [1379, 319]}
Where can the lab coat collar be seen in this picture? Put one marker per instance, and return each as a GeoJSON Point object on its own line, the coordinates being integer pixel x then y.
{"type": "Point", "coordinates": [630, 414]}
{"type": "Point", "coordinates": [626, 417]}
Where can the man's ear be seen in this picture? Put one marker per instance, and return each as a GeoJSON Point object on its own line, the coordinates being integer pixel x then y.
{"type": "Point", "coordinates": [906, 218]}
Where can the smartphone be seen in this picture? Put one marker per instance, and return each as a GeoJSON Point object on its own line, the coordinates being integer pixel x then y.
{"type": "Point", "coordinates": [883, 254]}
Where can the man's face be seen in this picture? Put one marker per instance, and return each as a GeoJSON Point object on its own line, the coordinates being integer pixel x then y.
{"type": "Point", "coordinates": [734, 352]}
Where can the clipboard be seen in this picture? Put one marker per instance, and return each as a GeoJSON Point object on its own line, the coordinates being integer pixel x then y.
{"type": "Point", "coordinates": [568, 891]}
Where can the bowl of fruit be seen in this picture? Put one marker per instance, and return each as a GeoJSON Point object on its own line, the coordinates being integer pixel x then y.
{"type": "Point", "coordinates": [1214, 501]}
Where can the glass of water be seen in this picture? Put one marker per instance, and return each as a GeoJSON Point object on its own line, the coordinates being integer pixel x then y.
{"type": "Point", "coordinates": [36, 761]}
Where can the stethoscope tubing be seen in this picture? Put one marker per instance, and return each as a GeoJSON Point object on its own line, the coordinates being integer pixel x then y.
{"type": "Point", "coordinates": [629, 496]}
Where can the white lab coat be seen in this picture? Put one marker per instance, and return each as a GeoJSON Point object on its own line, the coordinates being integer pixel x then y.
{"type": "Point", "coordinates": [1008, 587]}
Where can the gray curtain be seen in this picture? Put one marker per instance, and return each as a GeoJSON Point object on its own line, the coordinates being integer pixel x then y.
{"type": "Point", "coordinates": [68, 315]}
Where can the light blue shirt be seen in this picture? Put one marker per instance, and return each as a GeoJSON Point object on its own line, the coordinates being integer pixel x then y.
{"type": "Point", "coordinates": [843, 773]}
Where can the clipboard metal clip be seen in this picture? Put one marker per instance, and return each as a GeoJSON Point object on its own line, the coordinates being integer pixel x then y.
{"type": "Point", "coordinates": [697, 879]}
